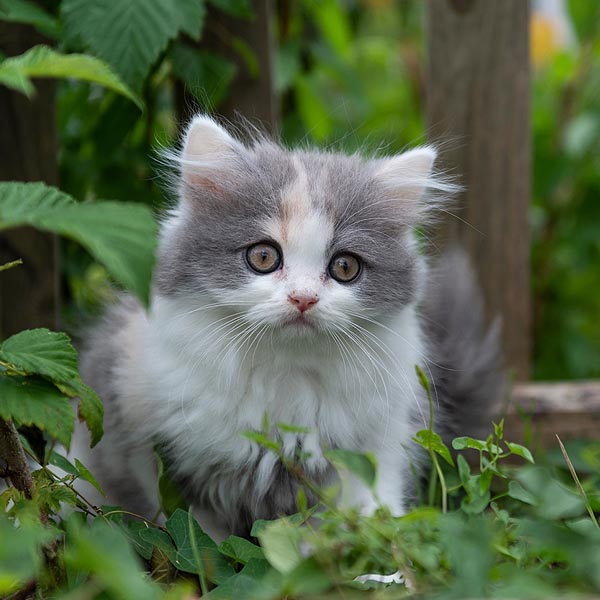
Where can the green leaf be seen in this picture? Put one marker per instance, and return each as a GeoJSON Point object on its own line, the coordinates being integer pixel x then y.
{"type": "Point", "coordinates": [128, 34]}
{"type": "Point", "coordinates": [120, 235]}
{"type": "Point", "coordinates": [423, 379]}
{"type": "Point", "coordinates": [212, 563]}
{"type": "Point", "coordinates": [521, 451]}
{"type": "Point", "coordinates": [429, 439]}
{"type": "Point", "coordinates": [362, 465]}
{"type": "Point", "coordinates": [161, 540]}
{"type": "Point", "coordinates": [240, 549]}
{"type": "Point", "coordinates": [103, 551]}
{"type": "Point", "coordinates": [243, 584]}
{"type": "Point", "coordinates": [62, 463]}
{"type": "Point", "coordinates": [262, 440]}
{"type": "Point", "coordinates": [32, 401]}
{"type": "Point", "coordinates": [23, 11]}
{"type": "Point", "coordinates": [85, 473]}
{"type": "Point", "coordinates": [191, 15]}
{"type": "Point", "coordinates": [41, 61]}
{"type": "Point", "coordinates": [518, 492]}
{"type": "Point", "coordinates": [280, 542]}
{"type": "Point", "coordinates": [43, 352]}
{"type": "Point", "coordinates": [50, 354]}
{"type": "Point", "coordinates": [169, 492]}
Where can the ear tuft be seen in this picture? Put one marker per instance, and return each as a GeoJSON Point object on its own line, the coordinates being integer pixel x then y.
{"type": "Point", "coordinates": [207, 147]}
{"type": "Point", "coordinates": [408, 174]}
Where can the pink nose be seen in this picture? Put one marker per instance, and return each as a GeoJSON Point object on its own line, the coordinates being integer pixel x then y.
{"type": "Point", "coordinates": [302, 301]}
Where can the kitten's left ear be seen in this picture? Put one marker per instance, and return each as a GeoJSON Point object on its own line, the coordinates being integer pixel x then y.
{"type": "Point", "coordinates": [407, 175]}
{"type": "Point", "coordinates": [207, 149]}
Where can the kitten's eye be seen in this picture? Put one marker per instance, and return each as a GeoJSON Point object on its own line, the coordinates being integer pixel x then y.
{"type": "Point", "coordinates": [344, 268]}
{"type": "Point", "coordinates": [263, 258]}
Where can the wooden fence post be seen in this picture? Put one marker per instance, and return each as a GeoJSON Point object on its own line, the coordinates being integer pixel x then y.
{"type": "Point", "coordinates": [478, 109]}
{"type": "Point", "coordinates": [29, 294]}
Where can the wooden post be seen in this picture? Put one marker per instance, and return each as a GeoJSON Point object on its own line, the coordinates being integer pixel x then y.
{"type": "Point", "coordinates": [28, 293]}
{"type": "Point", "coordinates": [478, 110]}
{"type": "Point", "coordinates": [251, 94]}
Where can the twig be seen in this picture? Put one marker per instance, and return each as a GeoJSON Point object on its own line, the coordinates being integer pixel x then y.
{"type": "Point", "coordinates": [10, 265]}
{"type": "Point", "coordinates": [13, 462]}
{"type": "Point", "coordinates": [577, 482]}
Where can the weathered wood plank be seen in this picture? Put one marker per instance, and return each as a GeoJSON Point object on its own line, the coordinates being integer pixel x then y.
{"type": "Point", "coordinates": [542, 410]}
{"type": "Point", "coordinates": [477, 90]}
{"type": "Point", "coordinates": [29, 294]}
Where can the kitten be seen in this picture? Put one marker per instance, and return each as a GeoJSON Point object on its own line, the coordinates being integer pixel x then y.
{"type": "Point", "coordinates": [288, 284]}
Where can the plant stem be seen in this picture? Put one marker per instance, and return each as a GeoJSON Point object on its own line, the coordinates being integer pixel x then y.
{"type": "Point", "coordinates": [13, 462]}
{"type": "Point", "coordinates": [10, 265]}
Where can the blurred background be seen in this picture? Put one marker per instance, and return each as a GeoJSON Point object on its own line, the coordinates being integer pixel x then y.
{"type": "Point", "coordinates": [343, 74]}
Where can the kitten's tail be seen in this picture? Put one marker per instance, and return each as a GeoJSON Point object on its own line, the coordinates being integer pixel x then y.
{"type": "Point", "coordinates": [466, 358]}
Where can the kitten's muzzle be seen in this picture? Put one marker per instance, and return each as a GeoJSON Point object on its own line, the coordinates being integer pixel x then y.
{"type": "Point", "coordinates": [303, 301]}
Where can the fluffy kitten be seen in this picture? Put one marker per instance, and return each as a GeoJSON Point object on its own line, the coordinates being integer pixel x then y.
{"type": "Point", "coordinates": [288, 284]}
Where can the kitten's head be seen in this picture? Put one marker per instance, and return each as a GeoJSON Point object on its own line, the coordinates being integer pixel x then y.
{"type": "Point", "coordinates": [301, 241]}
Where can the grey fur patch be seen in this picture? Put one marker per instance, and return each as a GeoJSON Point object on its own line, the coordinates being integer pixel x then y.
{"type": "Point", "coordinates": [466, 361]}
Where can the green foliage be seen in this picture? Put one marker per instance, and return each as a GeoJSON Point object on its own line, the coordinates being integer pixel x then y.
{"type": "Point", "coordinates": [130, 34]}
{"type": "Point", "coordinates": [42, 61]}
{"type": "Point", "coordinates": [118, 234]}
{"type": "Point", "coordinates": [38, 375]}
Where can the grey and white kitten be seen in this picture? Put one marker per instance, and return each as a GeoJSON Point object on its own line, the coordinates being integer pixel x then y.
{"type": "Point", "coordinates": [289, 283]}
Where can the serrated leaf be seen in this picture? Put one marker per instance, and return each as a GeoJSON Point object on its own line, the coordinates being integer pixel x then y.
{"type": "Point", "coordinates": [362, 465]}
{"type": "Point", "coordinates": [429, 439]}
{"type": "Point", "coordinates": [42, 352]}
{"type": "Point", "coordinates": [23, 11]}
{"type": "Point", "coordinates": [42, 61]}
{"type": "Point", "coordinates": [120, 235]}
{"type": "Point", "coordinates": [32, 401]}
{"type": "Point", "coordinates": [90, 408]}
{"type": "Point", "coordinates": [211, 563]}
{"type": "Point", "coordinates": [128, 34]}
{"type": "Point", "coordinates": [521, 451]}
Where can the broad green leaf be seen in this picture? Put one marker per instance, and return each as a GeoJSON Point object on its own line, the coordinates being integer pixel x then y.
{"type": "Point", "coordinates": [362, 465]}
{"type": "Point", "coordinates": [62, 463]}
{"type": "Point", "coordinates": [32, 401]}
{"type": "Point", "coordinates": [42, 61]}
{"type": "Point", "coordinates": [521, 451]}
{"type": "Point", "coordinates": [43, 352]}
{"type": "Point", "coordinates": [518, 492]}
{"type": "Point", "coordinates": [161, 540]}
{"type": "Point", "coordinates": [191, 15]}
{"type": "Point", "coordinates": [120, 235]}
{"type": "Point", "coordinates": [241, 549]}
{"type": "Point", "coordinates": [280, 542]}
{"type": "Point", "coordinates": [429, 439]}
{"type": "Point", "coordinates": [244, 584]}
{"type": "Point", "coordinates": [50, 354]}
{"type": "Point", "coordinates": [30, 13]}
{"type": "Point", "coordinates": [212, 563]}
{"type": "Point", "coordinates": [130, 34]}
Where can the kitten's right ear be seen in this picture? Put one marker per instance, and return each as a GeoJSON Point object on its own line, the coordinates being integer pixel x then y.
{"type": "Point", "coordinates": [207, 148]}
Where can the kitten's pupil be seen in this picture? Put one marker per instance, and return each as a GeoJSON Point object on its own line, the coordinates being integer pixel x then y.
{"type": "Point", "coordinates": [344, 268]}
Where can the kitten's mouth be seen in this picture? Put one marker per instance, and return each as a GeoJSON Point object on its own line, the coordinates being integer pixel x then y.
{"type": "Point", "coordinates": [300, 322]}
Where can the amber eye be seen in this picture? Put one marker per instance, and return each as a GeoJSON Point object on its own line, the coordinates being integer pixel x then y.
{"type": "Point", "coordinates": [263, 258]}
{"type": "Point", "coordinates": [344, 268]}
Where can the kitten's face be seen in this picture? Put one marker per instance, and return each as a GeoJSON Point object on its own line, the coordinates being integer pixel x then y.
{"type": "Point", "coordinates": [301, 242]}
